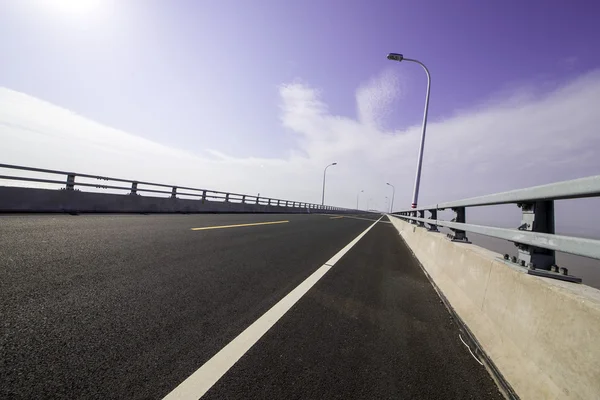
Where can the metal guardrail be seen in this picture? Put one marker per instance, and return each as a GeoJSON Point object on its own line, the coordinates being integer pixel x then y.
{"type": "Point", "coordinates": [535, 238]}
{"type": "Point", "coordinates": [134, 188]}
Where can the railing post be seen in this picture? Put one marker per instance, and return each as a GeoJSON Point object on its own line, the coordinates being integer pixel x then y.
{"type": "Point", "coordinates": [278, 203]}
{"type": "Point", "coordinates": [174, 192]}
{"type": "Point", "coordinates": [537, 217]}
{"type": "Point", "coordinates": [133, 188]}
{"type": "Point", "coordinates": [433, 227]}
{"type": "Point", "coordinates": [257, 199]}
{"type": "Point", "coordinates": [460, 217]}
{"type": "Point", "coordinates": [203, 196]}
{"type": "Point", "coordinates": [421, 215]}
{"type": "Point", "coordinates": [70, 182]}
{"type": "Point", "coordinates": [226, 197]}
{"type": "Point", "coordinates": [269, 202]}
{"type": "Point", "coordinates": [412, 214]}
{"type": "Point", "coordinates": [243, 199]}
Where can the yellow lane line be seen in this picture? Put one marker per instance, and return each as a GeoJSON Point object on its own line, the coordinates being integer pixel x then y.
{"type": "Point", "coordinates": [239, 225]}
{"type": "Point", "coordinates": [336, 217]}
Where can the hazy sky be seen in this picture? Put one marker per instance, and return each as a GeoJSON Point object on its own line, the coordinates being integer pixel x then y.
{"type": "Point", "coordinates": [258, 96]}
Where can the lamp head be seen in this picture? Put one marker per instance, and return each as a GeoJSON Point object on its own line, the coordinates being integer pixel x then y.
{"type": "Point", "coordinates": [395, 57]}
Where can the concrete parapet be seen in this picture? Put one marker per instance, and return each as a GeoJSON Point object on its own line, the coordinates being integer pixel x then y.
{"type": "Point", "coordinates": [543, 335]}
{"type": "Point", "coordinates": [25, 200]}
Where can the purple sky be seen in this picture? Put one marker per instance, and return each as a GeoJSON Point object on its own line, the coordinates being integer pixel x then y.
{"type": "Point", "coordinates": [265, 93]}
{"type": "Point", "coordinates": [189, 73]}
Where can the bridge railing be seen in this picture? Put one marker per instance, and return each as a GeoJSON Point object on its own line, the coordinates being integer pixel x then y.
{"type": "Point", "coordinates": [69, 182]}
{"type": "Point", "coordinates": [535, 238]}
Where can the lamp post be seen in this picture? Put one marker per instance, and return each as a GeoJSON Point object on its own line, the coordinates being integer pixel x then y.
{"type": "Point", "coordinates": [400, 57]}
{"type": "Point", "coordinates": [358, 194]}
{"type": "Point", "coordinates": [325, 172]}
{"type": "Point", "coordinates": [393, 195]}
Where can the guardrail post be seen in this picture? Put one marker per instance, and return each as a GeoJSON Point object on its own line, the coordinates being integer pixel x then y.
{"type": "Point", "coordinates": [432, 227]}
{"type": "Point", "coordinates": [226, 197]}
{"type": "Point", "coordinates": [257, 199]}
{"type": "Point", "coordinates": [412, 214]}
{"type": "Point", "coordinates": [421, 215]}
{"type": "Point", "coordinates": [203, 196]}
{"type": "Point", "coordinates": [537, 217]}
{"type": "Point", "coordinates": [70, 182]}
{"type": "Point", "coordinates": [133, 188]}
{"type": "Point", "coordinates": [460, 217]}
{"type": "Point", "coordinates": [269, 202]}
{"type": "Point", "coordinates": [174, 192]}
{"type": "Point", "coordinates": [278, 202]}
{"type": "Point", "coordinates": [244, 199]}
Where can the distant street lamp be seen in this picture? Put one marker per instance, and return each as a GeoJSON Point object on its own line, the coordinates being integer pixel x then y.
{"type": "Point", "coordinates": [393, 195]}
{"type": "Point", "coordinates": [358, 194]}
{"type": "Point", "coordinates": [400, 57]}
{"type": "Point", "coordinates": [325, 172]}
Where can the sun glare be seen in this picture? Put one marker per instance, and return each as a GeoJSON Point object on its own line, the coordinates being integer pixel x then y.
{"type": "Point", "coordinates": [75, 8]}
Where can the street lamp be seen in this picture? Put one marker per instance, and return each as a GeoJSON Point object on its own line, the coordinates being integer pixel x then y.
{"type": "Point", "coordinates": [400, 57]}
{"type": "Point", "coordinates": [358, 194]}
{"type": "Point", "coordinates": [324, 172]}
{"type": "Point", "coordinates": [393, 195]}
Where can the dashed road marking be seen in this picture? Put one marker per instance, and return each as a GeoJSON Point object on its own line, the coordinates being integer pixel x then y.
{"type": "Point", "coordinates": [238, 225]}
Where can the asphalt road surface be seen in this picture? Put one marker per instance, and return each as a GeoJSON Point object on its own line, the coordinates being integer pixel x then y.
{"type": "Point", "coordinates": [130, 306]}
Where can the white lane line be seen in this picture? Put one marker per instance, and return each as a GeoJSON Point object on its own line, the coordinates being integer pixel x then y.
{"type": "Point", "coordinates": [366, 219]}
{"type": "Point", "coordinates": [197, 384]}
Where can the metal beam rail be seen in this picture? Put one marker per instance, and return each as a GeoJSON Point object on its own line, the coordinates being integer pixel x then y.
{"type": "Point", "coordinates": [535, 238]}
{"type": "Point", "coordinates": [134, 188]}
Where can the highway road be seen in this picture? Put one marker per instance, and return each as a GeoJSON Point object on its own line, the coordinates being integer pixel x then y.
{"type": "Point", "coordinates": [224, 306]}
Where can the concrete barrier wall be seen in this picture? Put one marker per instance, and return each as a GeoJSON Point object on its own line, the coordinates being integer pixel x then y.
{"type": "Point", "coordinates": [14, 199]}
{"type": "Point", "coordinates": [543, 335]}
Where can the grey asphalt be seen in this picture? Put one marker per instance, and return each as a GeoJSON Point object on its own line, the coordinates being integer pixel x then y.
{"type": "Point", "coordinates": [129, 306]}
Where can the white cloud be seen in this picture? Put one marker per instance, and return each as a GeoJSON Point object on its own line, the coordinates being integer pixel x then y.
{"type": "Point", "coordinates": [373, 99]}
{"type": "Point", "coordinates": [503, 146]}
